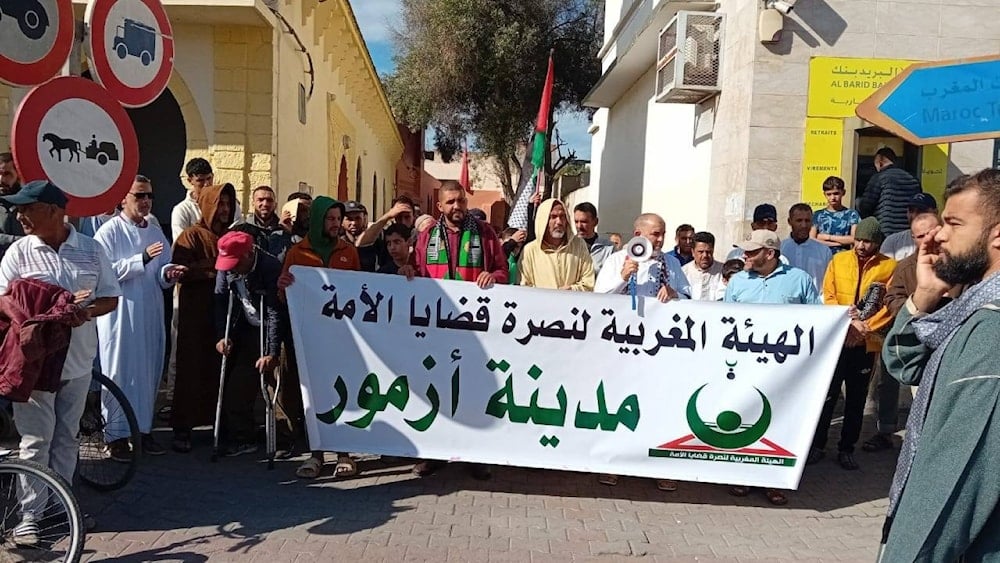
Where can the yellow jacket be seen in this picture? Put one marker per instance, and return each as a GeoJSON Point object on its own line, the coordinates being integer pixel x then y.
{"type": "Point", "coordinates": [844, 285]}
{"type": "Point", "coordinates": [570, 265]}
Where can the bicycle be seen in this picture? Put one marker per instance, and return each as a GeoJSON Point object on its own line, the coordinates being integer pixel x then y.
{"type": "Point", "coordinates": [107, 417]}
{"type": "Point", "coordinates": [53, 529]}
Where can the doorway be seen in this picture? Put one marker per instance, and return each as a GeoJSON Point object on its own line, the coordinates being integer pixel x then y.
{"type": "Point", "coordinates": [869, 141]}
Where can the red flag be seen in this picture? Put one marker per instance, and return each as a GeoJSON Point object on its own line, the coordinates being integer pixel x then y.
{"type": "Point", "coordinates": [463, 178]}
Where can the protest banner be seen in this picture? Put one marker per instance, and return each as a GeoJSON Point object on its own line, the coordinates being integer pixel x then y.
{"type": "Point", "coordinates": [693, 391]}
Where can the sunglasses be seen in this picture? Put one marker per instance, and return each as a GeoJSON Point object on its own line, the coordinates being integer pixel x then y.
{"type": "Point", "coordinates": [142, 195]}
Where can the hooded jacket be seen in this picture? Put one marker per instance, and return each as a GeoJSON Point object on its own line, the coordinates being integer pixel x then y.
{"type": "Point", "coordinates": [36, 323]}
{"type": "Point", "coordinates": [336, 254]}
{"type": "Point", "coordinates": [197, 247]}
{"type": "Point", "coordinates": [570, 265]}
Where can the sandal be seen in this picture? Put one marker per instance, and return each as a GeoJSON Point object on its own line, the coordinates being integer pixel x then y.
{"type": "Point", "coordinates": [666, 485]}
{"type": "Point", "coordinates": [608, 479]}
{"type": "Point", "coordinates": [739, 491]}
{"type": "Point", "coordinates": [776, 497]}
{"type": "Point", "coordinates": [310, 469]}
{"type": "Point", "coordinates": [877, 443]}
{"type": "Point", "coordinates": [346, 467]}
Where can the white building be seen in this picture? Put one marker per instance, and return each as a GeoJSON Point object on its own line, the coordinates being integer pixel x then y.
{"type": "Point", "coordinates": [782, 116]}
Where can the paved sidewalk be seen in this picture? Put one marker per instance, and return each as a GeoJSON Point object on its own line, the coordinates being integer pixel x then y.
{"type": "Point", "coordinates": [184, 508]}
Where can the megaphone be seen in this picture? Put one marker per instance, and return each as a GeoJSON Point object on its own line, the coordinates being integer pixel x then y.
{"type": "Point", "coordinates": [639, 249]}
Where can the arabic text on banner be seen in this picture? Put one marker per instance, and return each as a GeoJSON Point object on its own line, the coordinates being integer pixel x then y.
{"type": "Point", "coordinates": [694, 391]}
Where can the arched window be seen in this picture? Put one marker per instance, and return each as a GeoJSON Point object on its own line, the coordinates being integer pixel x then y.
{"type": "Point", "coordinates": [342, 180]}
{"type": "Point", "coordinates": [357, 184]}
{"type": "Point", "coordinates": [375, 209]}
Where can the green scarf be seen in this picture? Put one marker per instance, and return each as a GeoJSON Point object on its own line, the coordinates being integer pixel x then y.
{"type": "Point", "coordinates": [322, 245]}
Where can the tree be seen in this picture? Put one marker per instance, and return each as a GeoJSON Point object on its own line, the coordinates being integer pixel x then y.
{"type": "Point", "coordinates": [476, 68]}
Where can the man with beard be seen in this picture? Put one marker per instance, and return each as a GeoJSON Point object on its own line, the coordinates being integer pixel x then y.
{"type": "Point", "coordinates": [264, 225]}
{"type": "Point", "coordinates": [196, 386]}
{"type": "Point", "coordinates": [848, 279]}
{"type": "Point", "coordinates": [355, 224]}
{"type": "Point", "coordinates": [704, 273]}
{"type": "Point", "coordinates": [10, 228]}
{"type": "Point", "coordinates": [560, 259]}
{"type": "Point", "coordinates": [321, 248]}
{"type": "Point", "coordinates": [943, 504]}
{"type": "Point", "coordinates": [660, 277]}
{"type": "Point", "coordinates": [457, 248]}
{"type": "Point", "coordinates": [131, 353]}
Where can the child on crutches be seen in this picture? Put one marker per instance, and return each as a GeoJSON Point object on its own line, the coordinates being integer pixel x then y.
{"type": "Point", "coordinates": [247, 278]}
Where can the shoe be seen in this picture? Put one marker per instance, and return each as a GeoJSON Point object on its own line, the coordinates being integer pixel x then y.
{"type": "Point", "coordinates": [846, 460]}
{"type": "Point", "coordinates": [151, 447]}
{"type": "Point", "coordinates": [877, 442]}
{"type": "Point", "coordinates": [668, 485]}
{"type": "Point", "coordinates": [815, 454]}
{"type": "Point", "coordinates": [607, 479]}
{"type": "Point", "coordinates": [480, 472]}
{"type": "Point", "coordinates": [241, 448]}
{"type": "Point", "coordinates": [182, 442]}
{"type": "Point", "coordinates": [121, 451]}
{"type": "Point", "coordinates": [428, 467]}
{"type": "Point", "coordinates": [89, 524]}
{"type": "Point", "coordinates": [26, 533]}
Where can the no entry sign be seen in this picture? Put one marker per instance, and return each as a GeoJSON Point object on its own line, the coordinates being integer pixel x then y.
{"type": "Point", "coordinates": [70, 131]}
{"type": "Point", "coordinates": [131, 48]}
{"type": "Point", "coordinates": [36, 37]}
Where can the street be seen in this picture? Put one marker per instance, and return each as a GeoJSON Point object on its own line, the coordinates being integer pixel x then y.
{"type": "Point", "coordinates": [185, 508]}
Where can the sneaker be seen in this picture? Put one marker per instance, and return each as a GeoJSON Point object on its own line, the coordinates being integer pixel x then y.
{"type": "Point", "coordinates": [151, 447]}
{"type": "Point", "coordinates": [26, 533]}
{"type": "Point", "coordinates": [241, 448]}
{"type": "Point", "coordinates": [121, 451]}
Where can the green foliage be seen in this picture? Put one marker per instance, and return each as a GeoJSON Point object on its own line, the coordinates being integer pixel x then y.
{"type": "Point", "coordinates": [477, 67]}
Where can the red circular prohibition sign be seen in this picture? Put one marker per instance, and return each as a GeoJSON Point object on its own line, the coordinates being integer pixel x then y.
{"type": "Point", "coordinates": [97, 15]}
{"type": "Point", "coordinates": [17, 73]}
{"type": "Point", "coordinates": [25, 139]}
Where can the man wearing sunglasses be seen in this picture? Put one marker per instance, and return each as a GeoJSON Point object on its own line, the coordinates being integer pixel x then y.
{"type": "Point", "coordinates": [187, 213]}
{"type": "Point", "coordinates": [131, 353]}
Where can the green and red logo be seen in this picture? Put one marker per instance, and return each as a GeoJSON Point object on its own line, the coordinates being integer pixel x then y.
{"type": "Point", "coordinates": [727, 438]}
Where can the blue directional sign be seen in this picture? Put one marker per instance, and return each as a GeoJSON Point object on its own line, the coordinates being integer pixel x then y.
{"type": "Point", "coordinates": [940, 102]}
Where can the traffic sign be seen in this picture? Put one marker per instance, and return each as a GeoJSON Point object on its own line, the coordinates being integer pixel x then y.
{"type": "Point", "coordinates": [131, 48]}
{"type": "Point", "coordinates": [71, 132]}
{"type": "Point", "coordinates": [940, 102]}
{"type": "Point", "coordinates": [36, 38]}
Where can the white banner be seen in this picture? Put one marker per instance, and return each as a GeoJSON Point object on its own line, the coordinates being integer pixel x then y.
{"type": "Point", "coordinates": [693, 391]}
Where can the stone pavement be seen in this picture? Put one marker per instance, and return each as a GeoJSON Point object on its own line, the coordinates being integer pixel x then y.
{"type": "Point", "coordinates": [185, 508]}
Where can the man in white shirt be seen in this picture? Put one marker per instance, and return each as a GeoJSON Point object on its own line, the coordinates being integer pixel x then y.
{"type": "Point", "coordinates": [186, 213]}
{"type": "Point", "coordinates": [802, 251]}
{"type": "Point", "coordinates": [660, 276]}
{"type": "Point", "coordinates": [704, 273]}
{"type": "Point", "coordinates": [52, 251]}
{"type": "Point", "coordinates": [900, 245]}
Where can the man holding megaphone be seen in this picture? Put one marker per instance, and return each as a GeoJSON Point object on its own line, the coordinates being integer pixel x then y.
{"type": "Point", "coordinates": [656, 274]}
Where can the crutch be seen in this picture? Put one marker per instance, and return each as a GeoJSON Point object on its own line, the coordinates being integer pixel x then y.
{"type": "Point", "coordinates": [222, 380]}
{"type": "Point", "coordinates": [270, 424]}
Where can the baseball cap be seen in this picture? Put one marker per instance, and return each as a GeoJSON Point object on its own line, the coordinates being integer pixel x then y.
{"type": "Point", "coordinates": [353, 207]}
{"type": "Point", "coordinates": [923, 202]}
{"type": "Point", "coordinates": [232, 246]}
{"type": "Point", "coordinates": [761, 238]}
{"type": "Point", "coordinates": [37, 191]}
{"type": "Point", "coordinates": [765, 211]}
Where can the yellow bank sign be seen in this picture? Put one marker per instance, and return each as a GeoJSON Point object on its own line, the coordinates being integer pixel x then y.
{"type": "Point", "coordinates": [838, 85]}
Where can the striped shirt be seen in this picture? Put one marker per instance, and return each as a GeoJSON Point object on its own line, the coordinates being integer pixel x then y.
{"type": "Point", "coordinates": [79, 264]}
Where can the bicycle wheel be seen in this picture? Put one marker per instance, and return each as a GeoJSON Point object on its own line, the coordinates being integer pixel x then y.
{"type": "Point", "coordinates": [109, 437]}
{"type": "Point", "coordinates": [49, 527]}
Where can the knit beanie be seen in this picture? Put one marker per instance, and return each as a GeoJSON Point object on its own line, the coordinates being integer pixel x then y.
{"type": "Point", "coordinates": [869, 229]}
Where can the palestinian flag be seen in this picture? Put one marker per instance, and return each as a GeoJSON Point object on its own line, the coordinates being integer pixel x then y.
{"type": "Point", "coordinates": [519, 214]}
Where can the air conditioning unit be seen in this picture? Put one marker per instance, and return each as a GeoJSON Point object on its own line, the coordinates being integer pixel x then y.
{"type": "Point", "coordinates": [689, 58]}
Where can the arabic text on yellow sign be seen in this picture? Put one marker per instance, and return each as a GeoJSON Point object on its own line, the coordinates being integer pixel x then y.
{"type": "Point", "coordinates": [837, 85]}
{"type": "Point", "coordinates": [934, 170]}
{"type": "Point", "coordinates": [822, 157]}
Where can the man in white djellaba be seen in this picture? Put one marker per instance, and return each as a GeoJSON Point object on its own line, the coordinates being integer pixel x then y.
{"type": "Point", "coordinates": [132, 340]}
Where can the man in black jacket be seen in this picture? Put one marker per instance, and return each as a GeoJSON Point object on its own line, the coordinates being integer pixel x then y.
{"type": "Point", "coordinates": [249, 274]}
{"type": "Point", "coordinates": [888, 194]}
